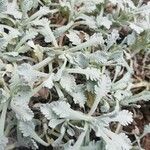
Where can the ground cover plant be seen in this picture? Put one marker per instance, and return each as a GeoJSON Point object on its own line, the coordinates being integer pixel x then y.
{"type": "Point", "coordinates": [74, 74]}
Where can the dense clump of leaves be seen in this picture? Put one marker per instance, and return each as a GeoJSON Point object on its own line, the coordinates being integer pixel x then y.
{"type": "Point", "coordinates": [83, 64]}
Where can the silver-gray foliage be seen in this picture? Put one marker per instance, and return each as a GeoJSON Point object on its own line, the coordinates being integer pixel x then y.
{"type": "Point", "coordinates": [90, 54]}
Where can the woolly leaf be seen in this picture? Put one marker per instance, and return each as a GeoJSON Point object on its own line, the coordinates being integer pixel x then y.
{"type": "Point", "coordinates": [27, 142]}
{"type": "Point", "coordinates": [144, 95]}
{"type": "Point", "coordinates": [23, 112]}
{"type": "Point", "coordinates": [73, 37]}
{"type": "Point", "coordinates": [70, 84]}
{"type": "Point", "coordinates": [98, 57]}
{"type": "Point", "coordinates": [93, 145]}
{"type": "Point", "coordinates": [88, 6]}
{"type": "Point", "coordinates": [90, 73]}
{"type": "Point", "coordinates": [122, 83]}
{"type": "Point", "coordinates": [112, 140]}
{"type": "Point", "coordinates": [3, 142]}
{"type": "Point", "coordinates": [103, 87]}
{"type": "Point", "coordinates": [28, 36]}
{"type": "Point", "coordinates": [60, 109]}
{"type": "Point", "coordinates": [47, 111]}
{"type": "Point", "coordinates": [54, 122]}
{"type": "Point", "coordinates": [42, 11]}
{"type": "Point", "coordinates": [12, 9]}
{"type": "Point", "coordinates": [122, 94]}
{"type": "Point", "coordinates": [27, 5]}
{"type": "Point", "coordinates": [79, 98]}
{"type": "Point", "coordinates": [90, 21]}
{"type": "Point", "coordinates": [49, 82]}
{"type": "Point", "coordinates": [136, 28]}
{"type": "Point", "coordinates": [3, 5]}
{"type": "Point", "coordinates": [19, 104]}
{"type": "Point", "coordinates": [103, 21]}
{"type": "Point", "coordinates": [118, 142]}
{"type": "Point", "coordinates": [27, 128]}
{"type": "Point", "coordinates": [112, 38]}
{"type": "Point", "coordinates": [28, 74]}
{"type": "Point", "coordinates": [81, 60]}
{"type": "Point", "coordinates": [124, 117]}
{"type": "Point", "coordinates": [95, 40]}
{"type": "Point", "coordinates": [105, 107]}
{"type": "Point", "coordinates": [146, 129]}
{"type": "Point", "coordinates": [8, 37]}
{"type": "Point", "coordinates": [143, 9]}
{"type": "Point", "coordinates": [3, 96]}
{"type": "Point", "coordinates": [123, 4]}
{"type": "Point", "coordinates": [45, 30]}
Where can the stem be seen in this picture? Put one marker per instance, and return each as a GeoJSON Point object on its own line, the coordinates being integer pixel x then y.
{"type": "Point", "coordinates": [12, 146]}
{"type": "Point", "coordinates": [43, 63]}
{"type": "Point", "coordinates": [59, 92]}
{"type": "Point", "coordinates": [119, 127]}
{"type": "Point", "coordinates": [38, 139]}
{"type": "Point", "coordinates": [59, 31]}
{"type": "Point", "coordinates": [79, 142]}
{"type": "Point", "coordinates": [94, 106]}
{"type": "Point", "coordinates": [140, 3]}
{"type": "Point", "coordinates": [140, 137]}
{"type": "Point", "coordinates": [90, 42]}
{"type": "Point", "coordinates": [3, 117]}
{"type": "Point", "coordinates": [141, 84]}
{"type": "Point", "coordinates": [54, 4]}
{"type": "Point", "coordinates": [48, 29]}
{"type": "Point", "coordinates": [5, 86]}
{"type": "Point", "coordinates": [138, 142]}
{"type": "Point", "coordinates": [72, 10]}
{"type": "Point", "coordinates": [8, 128]}
{"type": "Point", "coordinates": [76, 115]}
{"type": "Point", "coordinates": [41, 3]}
{"type": "Point", "coordinates": [38, 14]}
{"type": "Point", "coordinates": [37, 89]}
{"type": "Point", "coordinates": [79, 47]}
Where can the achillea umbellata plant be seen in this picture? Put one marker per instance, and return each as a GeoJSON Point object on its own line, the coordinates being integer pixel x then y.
{"type": "Point", "coordinates": [66, 72]}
